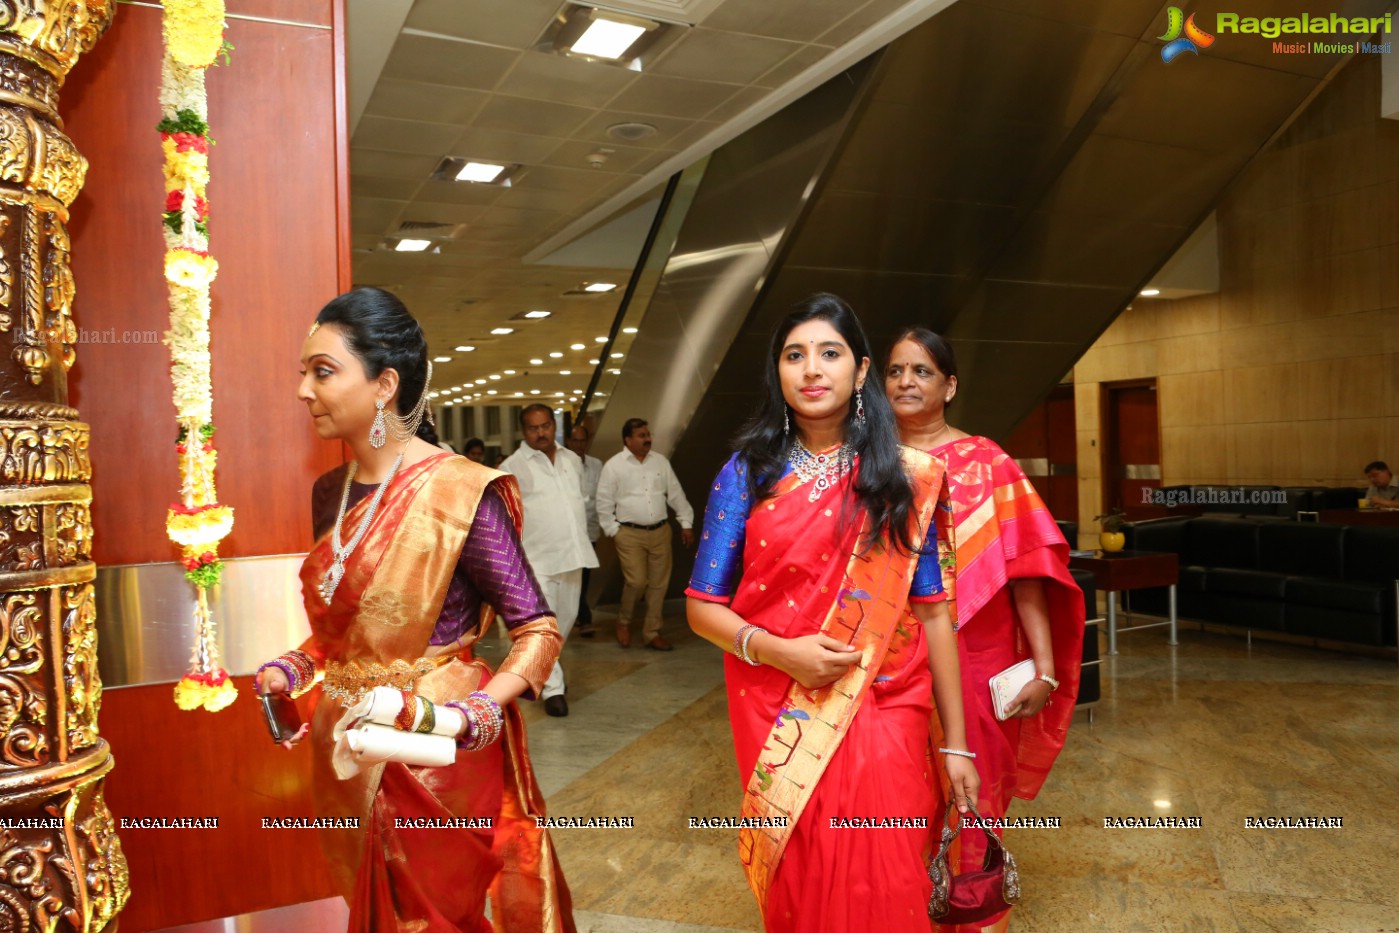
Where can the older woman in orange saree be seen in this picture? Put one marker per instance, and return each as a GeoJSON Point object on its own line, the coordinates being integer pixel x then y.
{"type": "Point", "coordinates": [433, 556]}
{"type": "Point", "coordinates": [840, 637]}
{"type": "Point", "coordinates": [1015, 598]}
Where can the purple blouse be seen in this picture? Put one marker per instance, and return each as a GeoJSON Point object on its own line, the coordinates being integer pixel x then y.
{"type": "Point", "coordinates": [492, 568]}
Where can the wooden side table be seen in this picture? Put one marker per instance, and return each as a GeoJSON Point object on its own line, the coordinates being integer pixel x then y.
{"type": "Point", "coordinates": [1115, 571]}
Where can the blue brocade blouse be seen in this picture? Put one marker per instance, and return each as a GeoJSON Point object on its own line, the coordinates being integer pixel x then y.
{"type": "Point", "coordinates": [719, 562]}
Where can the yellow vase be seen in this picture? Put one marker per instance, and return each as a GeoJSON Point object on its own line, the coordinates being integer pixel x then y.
{"type": "Point", "coordinates": [1112, 540]}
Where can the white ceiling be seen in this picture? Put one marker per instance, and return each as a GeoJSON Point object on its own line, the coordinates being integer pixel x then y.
{"type": "Point", "coordinates": [437, 78]}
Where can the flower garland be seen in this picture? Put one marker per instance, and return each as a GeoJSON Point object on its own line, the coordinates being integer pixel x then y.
{"type": "Point", "coordinates": [193, 32]}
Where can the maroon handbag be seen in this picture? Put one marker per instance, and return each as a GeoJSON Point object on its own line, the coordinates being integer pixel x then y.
{"type": "Point", "coordinates": [972, 896]}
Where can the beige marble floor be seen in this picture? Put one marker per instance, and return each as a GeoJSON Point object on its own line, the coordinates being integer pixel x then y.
{"type": "Point", "coordinates": [1215, 728]}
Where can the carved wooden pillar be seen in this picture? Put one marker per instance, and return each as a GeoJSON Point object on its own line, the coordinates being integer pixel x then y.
{"type": "Point", "coordinates": [61, 865]}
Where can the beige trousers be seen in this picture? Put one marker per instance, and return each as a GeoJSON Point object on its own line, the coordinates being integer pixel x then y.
{"type": "Point", "coordinates": [645, 560]}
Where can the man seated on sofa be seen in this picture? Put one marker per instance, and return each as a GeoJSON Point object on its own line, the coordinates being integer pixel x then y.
{"type": "Point", "coordinates": [1383, 492]}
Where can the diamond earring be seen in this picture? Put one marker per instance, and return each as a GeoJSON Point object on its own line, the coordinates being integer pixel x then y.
{"type": "Point", "coordinates": [378, 432]}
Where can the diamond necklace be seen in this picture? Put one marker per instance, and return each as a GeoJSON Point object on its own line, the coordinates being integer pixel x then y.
{"type": "Point", "coordinates": [826, 469]}
{"type": "Point", "coordinates": [340, 551]}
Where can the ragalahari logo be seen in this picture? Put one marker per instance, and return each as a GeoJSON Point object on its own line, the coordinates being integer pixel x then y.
{"type": "Point", "coordinates": [1194, 37]}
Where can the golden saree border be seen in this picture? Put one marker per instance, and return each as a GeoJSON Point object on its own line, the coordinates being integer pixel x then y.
{"type": "Point", "coordinates": [869, 612]}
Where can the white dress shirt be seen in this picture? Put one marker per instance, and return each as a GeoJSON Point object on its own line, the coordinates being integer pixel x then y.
{"type": "Point", "coordinates": [556, 527]}
{"type": "Point", "coordinates": [592, 472]}
{"type": "Point", "coordinates": [637, 491]}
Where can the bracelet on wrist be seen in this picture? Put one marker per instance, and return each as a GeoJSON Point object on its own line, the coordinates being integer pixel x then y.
{"type": "Point", "coordinates": [748, 637]}
{"type": "Point", "coordinates": [958, 752]}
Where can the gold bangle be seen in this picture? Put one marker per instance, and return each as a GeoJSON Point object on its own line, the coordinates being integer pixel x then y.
{"type": "Point", "coordinates": [429, 717]}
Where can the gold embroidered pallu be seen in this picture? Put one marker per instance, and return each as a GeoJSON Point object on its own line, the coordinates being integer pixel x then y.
{"type": "Point", "coordinates": [868, 609]}
{"type": "Point", "coordinates": [384, 611]}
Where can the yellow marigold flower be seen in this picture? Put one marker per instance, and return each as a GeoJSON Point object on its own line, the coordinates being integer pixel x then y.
{"type": "Point", "coordinates": [194, 31]}
{"type": "Point", "coordinates": [185, 169]}
{"type": "Point", "coordinates": [189, 269]}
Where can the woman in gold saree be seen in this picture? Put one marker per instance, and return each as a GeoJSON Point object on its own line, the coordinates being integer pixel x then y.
{"type": "Point", "coordinates": [409, 569]}
{"type": "Point", "coordinates": [841, 637]}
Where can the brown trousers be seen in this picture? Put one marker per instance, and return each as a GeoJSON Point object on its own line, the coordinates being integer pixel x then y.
{"type": "Point", "coordinates": [645, 560]}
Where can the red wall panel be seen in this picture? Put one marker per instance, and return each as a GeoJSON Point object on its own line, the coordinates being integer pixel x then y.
{"type": "Point", "coordinates": [277, 210]}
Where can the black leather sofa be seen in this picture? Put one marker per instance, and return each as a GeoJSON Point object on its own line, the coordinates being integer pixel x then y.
{"type": "Point", "coordinates": [1330, 582]}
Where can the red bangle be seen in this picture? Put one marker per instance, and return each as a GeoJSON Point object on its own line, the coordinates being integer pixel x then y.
{"type": "Point", "coordinates": [405, 717]}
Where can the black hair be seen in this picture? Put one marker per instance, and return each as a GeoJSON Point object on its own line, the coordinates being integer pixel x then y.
{"type": "Point", "coordinates": [537, 406]}
{"type": "Point", "coordinates": [473, 442]}
{"type": "Point", "coordinates": [1377, 465]}
{"type": "Point", "coordinates": [935, 345]}
{"type": "Point", "coordinates": [631, 424]}
{"type": "Point", "coordinates": [882, 487]}
{"type": "Point", "coordinates": [382, 335]}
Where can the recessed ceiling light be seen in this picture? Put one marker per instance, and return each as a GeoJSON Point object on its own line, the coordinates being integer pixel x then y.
{"type": "Point", "coordinates": [433, 394]}
{"type": "Point", "coordinates": [555, 355]}
{"type": "Point", "coordinates": [450, 402]}
{"type": "Point", "coordinates": [509, 372]}
{"type": "Point", "coordinates": [465, 349]}
{"type": "Point", "coordinates": [577, 346]}
{"type": "Point", "coordinates": [537, 315]}
{"type": "Point", "coordinates": [490, 391]}
{"type": "Point", "coordinates": [565, 372]}
{"type": "Point", "coordinates": [494, 377]}
{"type": "Point", "coordinates": [1150, 292]}
{"type": "Point", "coordinates": [594, 362]}
{"type": "Point", "coordinates": [475, 171]}
{"type": "Point", "coordinates": [628, 330]}
{"type": "Point", "coordinates": [616, 356]}
{"type": "Point", "coordinates": [599, 340]}
{"type": "Point", "coordinates": [607, 38]}
{"type": "Point", "coordinates": [480, 382]}
{"type": "Point", "coordinates": [519, 395]}
{"type": "Point", "coordinates": [502, 331]}
{"type": "Point", "coordinates": [631, 132]}
{"type": "Point", "coordinates": [483, 172]}
{"type": "Point", "coordinates": [558, 395]}
{"type": "Point", "coordinates": [536, 362]}
{"type": "Point", "coordinates": [411, 246]}
{"type": "Point", "coordinates": [442, 359]}
{"type": "Point", "coordinates": [533, 391]}
{"type": "Point", "coordinates": [598, 287]}
{"type": "Point", "coordinates": [615, 372]}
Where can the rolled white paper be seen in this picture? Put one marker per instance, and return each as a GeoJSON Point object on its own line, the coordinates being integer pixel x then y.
{"type": "Point", "coordinates": [382, 705]}
{"type": "Point", "coordinates": [371, 744]}
{"type": "Point", "coordinates": [356, 746]}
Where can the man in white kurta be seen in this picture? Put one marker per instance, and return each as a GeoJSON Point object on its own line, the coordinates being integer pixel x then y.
{"type": "Point", "coordinates": [632, 494]}
{"type": "Point", "coordinates": [556, 527]}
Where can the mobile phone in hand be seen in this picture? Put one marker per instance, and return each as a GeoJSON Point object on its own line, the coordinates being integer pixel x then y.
{"type": "Point", "coordinates": [283, 718]}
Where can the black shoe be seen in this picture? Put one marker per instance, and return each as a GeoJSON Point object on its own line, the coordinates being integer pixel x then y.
{"type": "Point", "coordinates": [556, 706]}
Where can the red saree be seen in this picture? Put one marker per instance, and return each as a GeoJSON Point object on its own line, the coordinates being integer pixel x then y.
{"type": "Point", "coordinates": [377, 629]}
{"type": "Point", "coordinates": [1004, 533]}
{"type": "Point", "coordinates": [856, 750]}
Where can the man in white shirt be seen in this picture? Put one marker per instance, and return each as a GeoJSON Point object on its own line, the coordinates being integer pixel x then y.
{"type": "Point", "coordinates": [579, 441]}
{"type": "Point", "coordinates": [632, 494]}
{"type": "Point", "coordinates": [555, 533]}
{"type": "Point", "coordinates": [1383, 492]}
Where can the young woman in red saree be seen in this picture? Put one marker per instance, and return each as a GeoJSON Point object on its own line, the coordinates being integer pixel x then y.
{"type": "Point", "coordinates": [433, 556]}
{"type": "Point", "coordinates": [1015, 598]}
{"type": "Point", "coordinates": [840, 638]}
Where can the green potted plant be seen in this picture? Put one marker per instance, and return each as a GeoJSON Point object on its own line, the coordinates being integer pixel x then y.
{"type": "Point", "coordinates": [1111, 538]}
